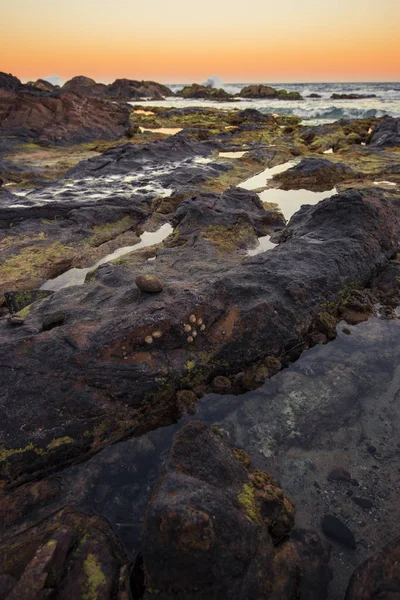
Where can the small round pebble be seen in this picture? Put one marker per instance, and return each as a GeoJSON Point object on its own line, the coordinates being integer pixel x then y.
{"type": "Point", "coordinates": [149, 283]}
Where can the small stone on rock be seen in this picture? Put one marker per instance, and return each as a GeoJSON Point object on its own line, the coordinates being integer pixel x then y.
{"type": "Point", "coordinates": [339, 474]}
{"type": "Point", "coordinates": [363, 502]}
{"type": "Point", "coordinates": [149, 283]}
{"type": "Point", "coordinates": [148, 339]}
{"type": "Point", "coordinates": [14, 320]}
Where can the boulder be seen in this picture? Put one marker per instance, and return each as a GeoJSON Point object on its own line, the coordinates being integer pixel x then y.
{"type": "Point", "coordinates": [128, 89]}
{"type": "Point", "coordinates": [149, 283]}
{"type": "Point", "coordinates": [266, 91]}
{"type": "Point", "coordinates": [314, 172]}
{"type": "Point", "coordinates": [386, 133]}
{"type": "Point", "coordinates": [205, 92]}
{"type": "Point", "coordinates": [84, 86]}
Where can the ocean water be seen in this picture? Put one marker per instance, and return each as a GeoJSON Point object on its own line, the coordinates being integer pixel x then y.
{"type": "Point", "coordinates": [311, 110]}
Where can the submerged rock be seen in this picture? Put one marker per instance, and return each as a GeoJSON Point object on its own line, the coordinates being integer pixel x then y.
{"type": "Point", "coordinates": [212, 529]}
{"type": "Point", "coordinates": [378, 577]}
{"type": "Point", "coordinates": [338, 531]}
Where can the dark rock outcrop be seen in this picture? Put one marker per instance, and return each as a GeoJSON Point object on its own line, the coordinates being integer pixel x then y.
{"type": "Point", "coordinates": [69, 555]}
{"type": "Point", "coordinates": [205, 92]}
{"type": "Point", "coordinates": [352, 96]}
{"type": "Point", "coordinates": [266, 91]}
{"type": "Point", "coordinates": [386, 133]}
{"type": "Point", "coordinates": [99, 359]}
{"type": "Point", "coordinates": [378, 577]}
{"type": "Point", "coordinates": [215, 530]}
{"type": "Point", "coordinates": [128, 89]}
{"type": "Point", "coordinates": [9, 82]}
{"type": "Point", "coordinates": [121, 89]}
{"type": "Point", "coordinates": [314, 172]}
{"type": "Point", "coordinates": [63, 119]}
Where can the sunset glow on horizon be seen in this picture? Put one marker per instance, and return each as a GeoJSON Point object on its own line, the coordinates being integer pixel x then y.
{"type": "Point", "coordinates": [183, 41]}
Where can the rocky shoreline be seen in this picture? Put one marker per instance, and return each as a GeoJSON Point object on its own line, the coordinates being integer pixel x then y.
{"type": "Point", "coordinates": [194, 327]}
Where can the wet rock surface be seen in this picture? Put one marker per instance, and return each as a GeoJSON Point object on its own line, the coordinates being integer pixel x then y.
{"type": "Point", "coordinates": [101, 356]}
{"type": "Point", "coordinates": [87, 371]}
{"type": "Point", "coordinates": [212, 529]}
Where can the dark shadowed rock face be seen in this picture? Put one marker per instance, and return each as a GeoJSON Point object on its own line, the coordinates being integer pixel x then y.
{"type": "Point", "coordinates": [69, 555]}
{"type": "Point", "coordinates": [9, 82]}
{"type": "Point", "coordinates": [314, 172]}
{"type": "Point", "coordinates": [63, 119]}
{"type": "Point", "coordinates": [386, 133]}
{"type": "Point", "coordinates": [214, 530]}
{"type": "Point", "coordinates": [378, 577]}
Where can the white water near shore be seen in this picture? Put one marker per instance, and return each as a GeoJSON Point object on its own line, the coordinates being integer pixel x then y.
{"type": "Point", "coordinates": [313, 111]}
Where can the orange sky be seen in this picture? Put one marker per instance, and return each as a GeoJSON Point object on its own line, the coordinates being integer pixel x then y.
{"type": "Point", "coordinates": [182, 40]}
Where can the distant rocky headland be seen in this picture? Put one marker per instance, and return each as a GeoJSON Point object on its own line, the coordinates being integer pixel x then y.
{"type": "Point", "coordinates": [198, 339]}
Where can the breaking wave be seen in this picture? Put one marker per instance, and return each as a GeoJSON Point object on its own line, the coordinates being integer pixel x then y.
{"type": "Point", "coordinates": [331, 113]}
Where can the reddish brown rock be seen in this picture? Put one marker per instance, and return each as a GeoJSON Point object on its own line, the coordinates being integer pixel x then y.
{"type": "Point", "coordinates": [63, 119]}
{"type": "Point", "coordinates": [69, 555]}
{"type": "Point", "coordinates": [378, 577]}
